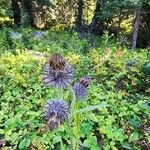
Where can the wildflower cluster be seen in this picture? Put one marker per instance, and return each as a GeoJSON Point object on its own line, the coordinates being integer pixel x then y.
{"type": "Point", "coordinates": [58, 73]}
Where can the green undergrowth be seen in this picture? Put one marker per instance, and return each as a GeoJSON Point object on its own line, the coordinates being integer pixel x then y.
{"type": "Point", "coordinates": [119, 80]}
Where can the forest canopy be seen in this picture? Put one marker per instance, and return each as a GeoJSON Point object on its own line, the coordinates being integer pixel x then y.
{"type": "Point", "coordinates": [127, 20]}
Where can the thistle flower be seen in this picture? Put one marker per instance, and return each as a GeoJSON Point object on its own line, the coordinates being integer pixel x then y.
{"type": "Point", "coordinates": [80, 91]}
{"type": "Point", "coordinates": [57, 72]}
{"type": "Point", "coordinates": [56, 112]}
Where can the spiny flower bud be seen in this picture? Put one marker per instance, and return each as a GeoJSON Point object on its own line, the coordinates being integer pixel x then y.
{"type": "Point", "coordinates": [80, 91]}
{"type": "Point", "coordinates": [56, 112]}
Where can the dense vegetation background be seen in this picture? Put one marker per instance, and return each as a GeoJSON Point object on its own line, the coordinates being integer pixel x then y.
{"type": "Point", "coordinates": [107, 40]}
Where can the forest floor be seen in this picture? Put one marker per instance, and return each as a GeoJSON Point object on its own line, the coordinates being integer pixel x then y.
{"type": "Point", "coordinates": [121, 79]}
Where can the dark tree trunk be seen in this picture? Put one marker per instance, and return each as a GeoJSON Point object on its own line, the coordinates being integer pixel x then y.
{"type": "Point", "coordinates": [136, 25]}
{"type": "Point", "coordinates": [28, 6]}
{"type": "Point", "coordinates": [144, 36]}
{"type": "Point", "coordinates": [97, 23]}
{"type": "Point", "coordinates": [79, 22]}
{"type": "Point", "coordinates": [16, 12]}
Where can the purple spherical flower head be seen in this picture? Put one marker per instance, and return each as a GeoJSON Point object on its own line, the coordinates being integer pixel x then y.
{"type": "Point", "coordinates": [58, 79]}
{"type": "Point", "coordinates": [58, 72]}
{"type": "Point", "coordinates": [80, 91]}
{"type": "Point", "coordinates": [56, 112]}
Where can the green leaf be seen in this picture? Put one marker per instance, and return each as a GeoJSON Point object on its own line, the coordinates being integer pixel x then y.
{"type": "Point", "coordinates": [24, 144]}
{"type": "Point", "coordinates": [2, 131]}
{"type": "Point", "coordinates": [14, 137]}
{"type": "Point", "coordinates": [126, 146]}
{"type": "Point", "coordinates": [56, 139]}
{"type": "Point", "coordinates": [134, 137]}
{"type": "Point", "coordinates": [91, 143]}
{"type": "Point", "coordinates": [86, 128]}
{"type": "Point", "coordinates": [90, 108]}
{"type": "Point", "coordinates": [10, 123]}
{"type": "Point", "coordinates": [62, 145]}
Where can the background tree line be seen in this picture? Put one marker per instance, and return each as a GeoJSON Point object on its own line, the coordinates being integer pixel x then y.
{"type": "Point", "coordinates": [127, 20]}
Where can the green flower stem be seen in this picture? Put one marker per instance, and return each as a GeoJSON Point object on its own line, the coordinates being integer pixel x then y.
{"type": "Point", "coordinates": [76, 117]}
{"type": "Point", "coordinates": [61, 93]}
{"type": "Point", "coordinates": [72, 105]}
{"type": "Point", "coordinates": [77, 125]}
{"type": "Point", "coordinates": [70, 131]}
{"type": "Point", "coordinates": [72, 136]}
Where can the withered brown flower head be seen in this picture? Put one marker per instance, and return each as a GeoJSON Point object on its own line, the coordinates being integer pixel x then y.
{"type": "Point", "coordinates": [57, 62]}
{"type": "Point", "coordinates": [85, 81]}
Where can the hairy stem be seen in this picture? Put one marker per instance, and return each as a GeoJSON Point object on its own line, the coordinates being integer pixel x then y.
{"type": "Point", "coordinates": [72, 105]}
{"type": "Point", "coordinates": [74, 138]}
{"type": "Point", "coordinates": [61, 93]}
{"type": "Point", "coordinates": [77, 125]}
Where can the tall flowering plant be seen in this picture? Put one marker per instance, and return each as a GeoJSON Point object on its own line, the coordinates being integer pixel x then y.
{"type": "Point", "coordinates": [59, 74]}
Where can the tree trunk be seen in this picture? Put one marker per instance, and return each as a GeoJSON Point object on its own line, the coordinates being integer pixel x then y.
{"type": "Point", "coordinates": [136, 25]}
{"type": "Point", "coordinates": [78, 22]}
{"type": "Point", "coordinates": [96, 21]}
{"type": "Point", "coordinates": [16, 12]}
{"type": "Point", "coordinates": [144, 39]}
{"type": "Point", "coordinates": [28, 6]}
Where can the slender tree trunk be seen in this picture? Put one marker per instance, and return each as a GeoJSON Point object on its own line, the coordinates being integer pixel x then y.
{"type": "Point", "coordinates": [136, 25]}
{"type": "Point", "coordinates": [28, 6]}
{"type": "Point", "coordinates": [96, 22]}
{"type": "Point", "coordinates": [16, 12]}
{"type": "Point", "coordinates": [145, 26]}
{"type": "Point", "coordinates": [78, 22]}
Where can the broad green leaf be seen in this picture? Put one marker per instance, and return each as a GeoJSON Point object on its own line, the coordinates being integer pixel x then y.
{"type": "Point", "coordinates": [24, 144]}
{"type": "Point", "coordinates": [126, 145]}
{"type": "Point", "coordinates": [56, 139]}
{"type": "Point", "coordinates": [90, 108]}
{"type": "Point", "coordinates": [14, 137]}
